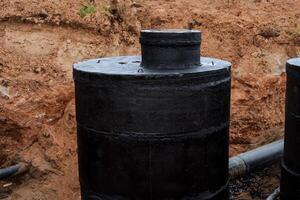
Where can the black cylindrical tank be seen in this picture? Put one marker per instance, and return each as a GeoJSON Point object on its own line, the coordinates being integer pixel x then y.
{"type": "Point", "coordinates": [290, 170]}
{"type": "Point", "coordinates": [154, 127]}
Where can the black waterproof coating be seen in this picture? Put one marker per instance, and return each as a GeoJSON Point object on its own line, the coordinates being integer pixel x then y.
{"type": "Point", "coordinates": [170, 49]}
{"type": "Point", "coordinates": [290, 171]}
{"type": "Point", "coordinates": [153, 130]}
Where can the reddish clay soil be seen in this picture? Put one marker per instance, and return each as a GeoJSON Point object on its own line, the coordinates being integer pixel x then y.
{"type": "Point", "coordinates": [40, 40]}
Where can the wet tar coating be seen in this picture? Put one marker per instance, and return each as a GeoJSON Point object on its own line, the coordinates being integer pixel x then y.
{"type": "Point", "coordinates": [290, 170]}
{"type": "Point", "coordinates": [153, 133]}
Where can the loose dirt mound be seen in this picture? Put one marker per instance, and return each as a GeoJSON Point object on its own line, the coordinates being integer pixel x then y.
{"type": "Point", "coordinates": [41, 39]}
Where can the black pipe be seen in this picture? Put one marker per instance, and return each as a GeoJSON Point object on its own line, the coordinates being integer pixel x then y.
{"type": "Point", "coordinates": [290, 166]}
{"type": "Point", "coordinates": [257, 158]}
{"type": "Point", "coordinates": [170, 49]}
{"type": "Point", "coordinates": [12, 170]}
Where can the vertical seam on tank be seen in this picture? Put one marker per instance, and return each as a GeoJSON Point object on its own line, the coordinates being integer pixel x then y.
{"type": "Point", "coordinates": [150, 170]}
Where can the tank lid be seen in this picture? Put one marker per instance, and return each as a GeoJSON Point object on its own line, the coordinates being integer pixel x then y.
{"type": "Point", "coordinates": [129, 68]}
{"type": "Point", "coordinates": [294, 62]}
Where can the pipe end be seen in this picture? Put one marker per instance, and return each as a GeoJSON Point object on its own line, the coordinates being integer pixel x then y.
{"type": "Point", "coordinates": [170, 48]}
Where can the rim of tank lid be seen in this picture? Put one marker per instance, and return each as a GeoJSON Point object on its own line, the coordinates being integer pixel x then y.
{"type": "Point", "coordinates": [170, 37]}
{"type": "Point", "coordinates": [130, 66]}
{"type": "Point", "coordinates": [294, 62]}
{"type": "Point", "coordinates": [170, 30]}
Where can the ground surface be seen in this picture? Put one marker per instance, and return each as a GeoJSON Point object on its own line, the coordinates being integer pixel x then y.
{"type": "Point", "coordinates": [257, 185]}
{"type": "Point", "coordinates": [41, 39]}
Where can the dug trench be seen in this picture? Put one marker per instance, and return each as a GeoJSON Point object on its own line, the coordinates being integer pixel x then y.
{"type": "Point", "coordinates": [40, 42]}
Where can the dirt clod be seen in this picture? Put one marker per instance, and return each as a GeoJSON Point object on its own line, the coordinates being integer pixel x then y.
{"type": "Point", "coordinates": [270, 32]}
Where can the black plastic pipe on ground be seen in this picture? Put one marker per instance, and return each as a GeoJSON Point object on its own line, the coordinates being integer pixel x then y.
{"type": "Point", "coordinates": [12, 170]}
{"type": "Point", "coordinates": [257, 158]}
